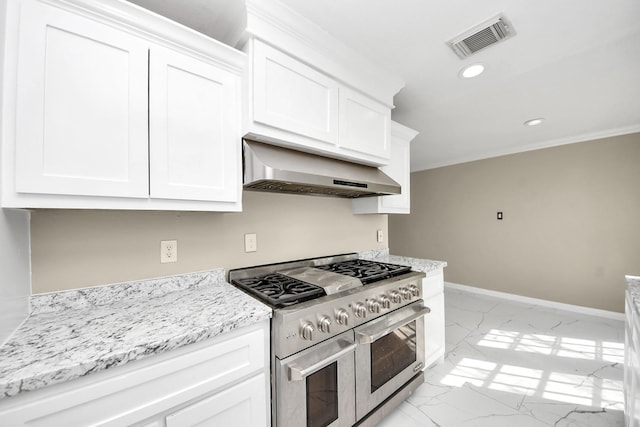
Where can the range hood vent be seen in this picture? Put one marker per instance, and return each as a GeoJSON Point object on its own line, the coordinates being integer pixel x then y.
{"type": "Point", "coordinates": [487, 34]}
{"type": "Point", "coordinates": [281, 170]}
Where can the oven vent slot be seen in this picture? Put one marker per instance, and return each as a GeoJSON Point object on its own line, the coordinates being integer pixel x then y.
{"type": "Point", "coordinates": [487, 34]}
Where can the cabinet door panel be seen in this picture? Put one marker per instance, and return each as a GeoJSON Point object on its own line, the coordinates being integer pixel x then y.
{"type": "Point", "coordinates": [434, 330]}
{"type": "Point", "coordinates": [81, 124]}
{"type": "Point", "coordinates": [365, 125]}
{"type": "Point", "coordinates": [194, 129]}
{"type": "Point", "coordinates": [398, 169]}
{"type": "Point", "coordinates": [243, 405]}
{"type": "Point", "coordinates": [291, 96]}
{"type": "Point", "coordinates": [433, 295]}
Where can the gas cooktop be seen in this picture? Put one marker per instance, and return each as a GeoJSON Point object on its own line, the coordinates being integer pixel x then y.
{"type": "Point", "coordinates": [279, 285]}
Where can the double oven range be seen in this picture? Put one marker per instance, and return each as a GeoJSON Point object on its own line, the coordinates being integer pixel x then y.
{"type": "Point", "coordinates": [347, 337]}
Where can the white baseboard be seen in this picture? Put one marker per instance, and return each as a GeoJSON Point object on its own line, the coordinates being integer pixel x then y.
{"type": "Point", "coordinates": [536, 301]}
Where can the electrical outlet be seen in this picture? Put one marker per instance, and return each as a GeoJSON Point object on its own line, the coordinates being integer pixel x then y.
{"type": "Point", "coordinates": [250, 242]}
{"type": "Point", "coordinates": [380, 236]}
{"type": "Point", "coordinates": [168, 251]}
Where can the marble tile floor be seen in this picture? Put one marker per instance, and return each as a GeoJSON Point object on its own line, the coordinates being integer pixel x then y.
{"type": "Point", "coordinates": [514, 364]}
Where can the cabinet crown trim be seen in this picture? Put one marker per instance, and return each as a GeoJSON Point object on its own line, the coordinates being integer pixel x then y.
{"type": "Point", "coordinates": [278, 25]}
{"type": "Point", "coordinates": [401, 131]}
{"type": "Point", "coordinates": [156, 28]}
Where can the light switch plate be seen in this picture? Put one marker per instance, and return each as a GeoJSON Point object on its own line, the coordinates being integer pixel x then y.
{"type": "Point", "coordinates": [250, 242]}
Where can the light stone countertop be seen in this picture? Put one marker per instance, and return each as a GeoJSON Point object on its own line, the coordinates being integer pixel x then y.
{"type": "Point", "coordinates": [74, 333]}
{"type": "Point", "coordinates": [418, 264]}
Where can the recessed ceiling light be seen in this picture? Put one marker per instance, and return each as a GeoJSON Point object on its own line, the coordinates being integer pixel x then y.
{"type": "Point", "coordinates": [534, 122]}
{"type": "Point", "coordinates": [472, 71]}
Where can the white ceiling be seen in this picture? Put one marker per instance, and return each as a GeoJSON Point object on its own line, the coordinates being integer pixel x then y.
{"type": "Point", "coordinates": [574, 62]}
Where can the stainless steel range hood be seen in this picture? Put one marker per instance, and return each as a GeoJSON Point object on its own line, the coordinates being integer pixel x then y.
{"type": "Point", "coordinates": [282, 170]}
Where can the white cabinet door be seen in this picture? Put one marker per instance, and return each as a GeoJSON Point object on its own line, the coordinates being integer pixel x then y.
{"type": "Point", "coordinates": [433, 295]}
{"type": "Point", "coordinates": [365, 127]}
{"type": "Point", "coordinates": [243, 405]}
{"type": "Point", "coordinates": [81, 115]}
{"type": "Point", "coordinates": [434, 330]}
{"type": "Point", "coordinates": [194, 129]}
{"type": "Point", "coordinates": [292, 96]}
{"type": "Point", "coordinates": [399, 169]}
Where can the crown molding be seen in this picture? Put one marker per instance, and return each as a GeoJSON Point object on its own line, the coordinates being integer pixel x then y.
{"type": "Point", "coordinates": [585, 137]}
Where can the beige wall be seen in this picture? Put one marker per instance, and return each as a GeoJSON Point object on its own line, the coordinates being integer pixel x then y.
{"type": "Point", "coordinates": [72, 249]}
{"type": "Point", "coordinates": [571, 227]}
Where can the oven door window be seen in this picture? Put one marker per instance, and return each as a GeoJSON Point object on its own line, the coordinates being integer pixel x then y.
{"type": "Point", "coordinates": [317, 386]}
{"type": "Point", "coordinates": [322, 396]}
{"type": "Point", "coordinates": [392, 354]}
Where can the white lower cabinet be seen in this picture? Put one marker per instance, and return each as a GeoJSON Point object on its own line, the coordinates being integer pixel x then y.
{"type": "Point", "coordinates": [433, 295]}
{"type": "Point", "coordinates": [632, 362]}
{"type": "Point", "coordinates": [221, 381]}
{"type": "Point", "coordinates": [240, 405]}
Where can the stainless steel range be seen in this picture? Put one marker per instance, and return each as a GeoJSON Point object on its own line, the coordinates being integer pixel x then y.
{"type": "Point", "coordinates": [347, 337]}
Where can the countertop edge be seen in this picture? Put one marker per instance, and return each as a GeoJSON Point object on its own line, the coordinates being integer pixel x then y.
{"type": "Point", "coordinates": [633, 288]}
{"type": "Point", "coordinates": [419, 264]}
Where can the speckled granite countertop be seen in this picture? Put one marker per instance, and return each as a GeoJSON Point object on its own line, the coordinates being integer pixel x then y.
{"type": "Point", "coordinates": [418, 264]}
{"type": "Point", "coordinates": [633, 284]}
{"type": "Point", "coordinates": [72, 334]}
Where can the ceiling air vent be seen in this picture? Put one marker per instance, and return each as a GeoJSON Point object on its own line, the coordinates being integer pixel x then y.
{"type": "Point", "coordinates": [484, 35]}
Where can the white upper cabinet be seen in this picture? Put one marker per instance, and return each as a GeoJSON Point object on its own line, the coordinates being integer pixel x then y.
{"type": "Point", "coordinates": [117, 108]}
{"type": "Point", "coordinates": [294, 105]}
{"type": "Point", "coordinates": [364, 126]}
{"type": "Point", "coordinates": [82, 107]}
{"type": "Point", "coordinates": [399, 169]}
{"type": "Point", "coordinates": [290, 96]}
{"type": "Point", "coordinates": [193, 111]}
{"type": "Point", "coordinates": [308, 91]}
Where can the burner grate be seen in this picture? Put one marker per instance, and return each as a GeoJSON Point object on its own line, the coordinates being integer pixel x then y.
{"type": "Point", "coordinates": [279, 290]}
{"type": "Point", "coordinates": [366, 271]}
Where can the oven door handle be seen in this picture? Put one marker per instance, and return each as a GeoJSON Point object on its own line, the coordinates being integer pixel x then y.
{"type": "Point", "coordinates": [374, 332]}
{"type": "Point", "coordinates": [298, 373]}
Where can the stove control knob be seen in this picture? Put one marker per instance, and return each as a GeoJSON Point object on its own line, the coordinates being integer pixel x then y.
{"type": "Point", "coordinates": [307, 331]}
{"type": "Point", "coordinates": [359, 309]}
{"type": "Point", "coordinates": [373, 305]}
{"type": "Point", "coordinates": [396, 298]}
{"type": "Point", "coordinates": [342, 317]}
{"type": "Point", "coordinates": [385, 302]}
{"type": "Point", "coordinates": [324, 324]}
{"type": "Point", "coordinates": [406, 293]}
{"type": "Point", "coordinates": [415, 291]}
